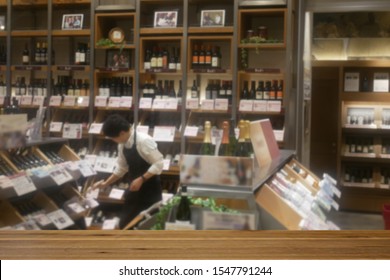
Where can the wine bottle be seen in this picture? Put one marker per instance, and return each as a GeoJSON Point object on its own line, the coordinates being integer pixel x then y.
{"type": "Point", "coordinates": [241, 147]}
{"type": "Point", "coordinates": [195, 57]}
{"type": "Point", "coordinates": [147, 60]}
{"type": "Point", "coordinates": [245, 91]}
{"type": "Point", "coordinates": [215, 58]}
{"type": "Point", "coordinates": [274, 90]}
{"type": "Point", "coordinates": [165, 59]}
{"type": "Point", "coordinates": [252, 91]}
{"type": "Point", "coordinates": [179, 95]}
{"type": "Point", "coordinates": [153, 59]}
{"type": "Point", "coordinates": [215, 89]}
{"type": "Point", "coordinates": [208, 90]}
{"type": "Point", "coordinates": [279, 94]}
{"type": "Point", "coordinates": [229, 94]}
{"type": "Point", "coordinates": [172, 92]}
{"type": "Point", "coordinates": [26, 55]}
{"type": "Point", "coordinates": [267, 90]}
{"type": "Point", "coordinates": [172, 61]}
{"type": "Point", "coordinates": [202, 57]}
{"type": "Point", "coordinates": [178, 60]}
{"type": "Point", "coordinates": [260, 90]}
{"type": "Point", "coordinates": [208, 57]}
{"type": "Point", "coordinates": [207, 148]}
{"type": "Point", "coordinates": [183, 213]}
{"type": "Point", "coordinates": [224, 147]}
{"type": "Point", "coordinates": [194, 90]}
{"type": "Point", "coordinates": [232, 137]}
{"type": "Point", "coordinates": [44, 53]}
{"type": "Point", "coordinates": [159, 58]}
{"type": "Point", "coordinates": [88, 55]}
{"type": "Point", "coordinates": [248, 138]}
{"type": "Point", "coordinates": [37, 56]}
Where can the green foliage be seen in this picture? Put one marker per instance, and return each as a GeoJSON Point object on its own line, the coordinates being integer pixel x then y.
{"type": "Point", "coordinates": [105, 42]}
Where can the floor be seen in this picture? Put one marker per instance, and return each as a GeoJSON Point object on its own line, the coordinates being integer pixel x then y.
{"type": "Point", "coordinates": [357, 221]}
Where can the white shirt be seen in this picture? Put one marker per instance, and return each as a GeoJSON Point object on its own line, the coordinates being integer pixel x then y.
{"type": "Point", "coordinates": [147, 149]}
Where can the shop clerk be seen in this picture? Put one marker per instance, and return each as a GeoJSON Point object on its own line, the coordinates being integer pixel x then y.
{"type": "Point", "coordinates": [141, 159]}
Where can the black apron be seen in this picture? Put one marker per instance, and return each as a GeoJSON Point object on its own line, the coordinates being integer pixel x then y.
{"type": "Point", "coordinates": [150, 191]}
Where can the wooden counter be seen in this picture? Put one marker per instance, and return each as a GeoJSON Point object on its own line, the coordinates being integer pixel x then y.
{"type": "Point", "coordinates": [146, 245]}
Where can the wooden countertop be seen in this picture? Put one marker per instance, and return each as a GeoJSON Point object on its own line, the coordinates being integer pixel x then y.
{"type": "Point", "coordinates": [197, 245]}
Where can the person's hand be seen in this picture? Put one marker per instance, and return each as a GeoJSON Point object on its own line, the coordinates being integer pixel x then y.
{"type": "Point", "coordinates": [136, 184]}
{"type": "Point", "coordinates": [98, 185]}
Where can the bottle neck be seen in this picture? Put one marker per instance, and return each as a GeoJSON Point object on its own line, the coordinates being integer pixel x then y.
{"type": "Point", "coordinates": [207, 135]}
{"type": "Point", "coordinates": [225, 135]}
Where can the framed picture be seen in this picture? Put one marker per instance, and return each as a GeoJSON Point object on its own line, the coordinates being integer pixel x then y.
{"type": "Point", "coordinates": [72, 21]}
{"type": "Point", "coordinates": [118, 59]}
{"type": "Point", "coordinates": [165, 19]}
{"type": "Point", "coordinates": [212, 18]}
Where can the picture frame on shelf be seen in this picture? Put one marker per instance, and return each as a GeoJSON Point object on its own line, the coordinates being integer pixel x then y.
{"type": "Point", "coordinates": [118, 58]}
{"type": "Point", "coordinates": [72, 21]}
{"type": "Point", "coordinates": [212, 18]}
{"type": "Point", "coordinates": [165, 19]}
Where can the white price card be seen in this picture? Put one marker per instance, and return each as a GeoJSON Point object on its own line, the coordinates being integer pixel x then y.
{"type": "Point", "coordinates": [114, 102]}
{"type": "Point", "coordinates": [26, 100]}
{"type": "Point", "coordinates": [5, 182]}
{"type": "Point", "coordinates": [116, 193]}
{"type": "Point", "coordinates": [42, 219]}
{"type": "Point", "coordinates": [207, 104]}
{"type": "Point", "coordinates": [172, 104]}
{"type": "Point", "coordinates": [76, 207]}
{"type": "Point", "coordinates": [105, 164]}
{"type": "Point", "coordinates": [143, 129]}
{"type": "Point", "coordinates": [2, 100]}
{"type": "Point", "coordinates": [60, 176]}
{"type": "Point", "coordinates": [159, 104]}
{"type": "Point", "coordinates": [83, 101]}
{"type": "Point", "coordinates": [95, 128]}
{"type": "Point", "coordinates": [274, 106]}
{"type": "Point", "coordinates": [279, 135]}
{"type": "Point", "coordinates": [55, 126]}
{"type": "Point", "coordinates": [72, 131]}
{"type": "Point", "coordinates": [86, 168]}
{"type": "Point", "coordinates": [60, 219]}
{"type": "Point", "coordinates": [101, 101]}
{"type": "Point", "coordinates": [260, 105]}
{"type": "Point", "coordinates": [164, 133]}
{"type": "Point", "coordinates": [69, 101]}
{"type": "Point", "coordinates": [38, 100]}
{"type": "Point", "coordinates": [191, 131]}
{"type": "Point", "coordinates": [92, 194]}
{"type": "Point", "coordinates": [192, 103]}
{"type": "Point", "coordinates": [246, 106]}
{"type": "Point", "coordinates": [381, 82]}
{"type": "Point", "coordinates": [22, 184]}
{"type": "Point", "coordinates": [221, 104]}
{"type": "Point", "coordinates": [110, 224]}
{"type": "Point", "coordinates": [55, 101]}
{"type": "Point", "coordinates": [166, 164]}
{"type": "Point", "coordinates": [91, 159]}
{"type": "Point", "coordinates": [351, 81]}
{"type": "Point", "coordinates": [145, 103]}
{"type": "Point", "coordinates": [126, 101]}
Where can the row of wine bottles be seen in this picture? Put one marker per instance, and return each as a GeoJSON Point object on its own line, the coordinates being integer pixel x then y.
{"type": "Point", "coordinates": [162, 90]}
{"type": "Point", "coordinates": [116, 86]}
{"type": "Point", "coordinates": [161, 58]}
{"type": "Point", "coordinates": [265, 90]}
{"type": "Point", "coordinates": [230, 145]}
{"type": "Point", "coordinates": [206, 57]}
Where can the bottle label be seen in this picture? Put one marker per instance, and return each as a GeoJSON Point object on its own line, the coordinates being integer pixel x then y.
{"type": "Point", "coordinates": [214, 62]}
{"type": "Point", "coordinates": [25, 59]}
{"type": "Point", "coordinates": [147, 65]}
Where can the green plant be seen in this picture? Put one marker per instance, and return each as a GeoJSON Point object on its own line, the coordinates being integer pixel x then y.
{"type": "Point", "coordinates": [105, 42]}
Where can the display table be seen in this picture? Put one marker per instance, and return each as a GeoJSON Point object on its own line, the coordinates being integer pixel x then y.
{"type": "Point", "coordinates": [145, 245]}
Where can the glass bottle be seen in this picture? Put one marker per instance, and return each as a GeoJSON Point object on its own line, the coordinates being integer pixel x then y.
{"type": "Point", "coordinates": [194, 90]}
{"type": "Point", "coordinates": [207, 147]}
{"type": "Point", "coordinates": [183, 213]}
{"type": "Point", "coordinates": [245, 91]}
{"type": "Point", "coordinates": [26, 55]}
{"type": "Point", "coordinates": [224, 147]}
{"type": "Point", "coordinates": [241, 147]}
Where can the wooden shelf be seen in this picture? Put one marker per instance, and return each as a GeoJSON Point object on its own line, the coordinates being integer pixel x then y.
{"type": "Point", "coordinates": [263, 46]}
{"type": "Point", "coordinates": [71, 33]}
{"type": "Point", "coordinates": [29, 33]}
{"type": "Point", "coordinates": [211, 30]}
{"type": "Point", "coordinates": [165, 31]}
{"type": "Point", "coordinates": [370, 97]}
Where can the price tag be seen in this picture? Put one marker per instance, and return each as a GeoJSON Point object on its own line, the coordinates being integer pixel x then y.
{"type": "Point", "coordinates": [69, 101]}
{"type": "Point", "coordinates": [143, 129]}
{"type": "Point", "coordinates": [191, 131]}
{"type": "Point", "coordinates": [38, 100]}
{"type": "Point", "coordinates": [91, 159]}
{"type": "Point", "coordinates": [221, 104]}
{"type": "Point", "coordinates": [246, 106]}
{"type": "Point", "coordinates": [192, 103]}
{"type": "Point", "coordinates": [2, 100]}
{"type": "Point", "coordinates": [105, 164]}
{"type": "Point", "coordinates": [55, 101]}
{"type": "Point", "coordinates": [83, 101]}
{"type": "Point", "coordinates": [279, 135]}
{"type": "Point", "coordinates": [114, 102]}
{"type": "Point", "coordinates": [60, 219]}
{"type": "Point", "coordinates": [172, 104]}
{"type": "Point", "coordinates": [72, 131]}
{"type": "Point", "coordinates": [26, 100]}
{"type": "Point", "coordinates": [22, 184]}
{"type": "Point", "coordinates": [145, 103]}
{"type": "Point", "coordinates": [55, 126]}
{"type": "Point", "coordinates": [159, 103]}
{"type": "Point", "coordinates": [116, 193]}
{"type": "Point", "coordinates": [109, 224]}
{"type": "Point", "coordinates": [76, 207]}
{"type": "Point", "coordinates": [86, 168]}
{"type": "Point", "coordinates": [42, 219]}
{"type": "Point", "coordinates": [207, 104]}
{"type": "Point", "coordinates": [274, 106]}
{"type": "Point", "coordinates": [95, 128]}
{"type": "Point", "coordinates": [259, 106]}
{"type": "Point", "coordinates": [60, 175]}
{"type": "Point", "coordinates": [92, 194]}
{"type": "Point", "coordinates": [101, 101]}
{"type": "Point", "coordinates": [167, 163]}
{"type": "Point", "coordinates": [126, 101]}
{"type": "Point", "coordinates": [5, 182]}
{"type": "Point", "coordinates": [164, 133]}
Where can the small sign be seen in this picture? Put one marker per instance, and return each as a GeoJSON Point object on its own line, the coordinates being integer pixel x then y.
{"type": "Point", "coordinates": [55, 126]}
{"type": "Point", "coordinates": [38, 100]}
{"type": "Point", "coordinates": [83, 101]}
{"type": "Point", "coordinates": [86, 168]}
{"type": "Point", "coordinates": [105, 164]}
{"type": "Point", "coordinates": [274, 106]}
{"type": "Point", "coordinates": [114, 102]}
{"type": "Point", "coordinates": [381, 82]}
{"type": "Point", "coordinates": [26, 100]}
{"type": "Point", "coordinates": [259, 106]}
{"type": "Point", "coordinates": [60, 176]}
{"type": "Point", "coordinates": [60, 219]}
{"type": "Point", "coordinates": [171, 104]}
{"type": "Point", "coordinates": [5, 182]}
{"type": "Point", "coordinates": [95, 128]}
{"type": "Point", "coordinates": [72, 131]}
{"type": "Point", "coordinates": [164, 133]}
{"type": "Point", "coordinates": [207, 104]}
{"type": "Point", "coordinates": [246, 106]}
{"type": "Point", "coordinates": [110, 224]}
{"type": "Point", "coordinates": [69, 101]}
{"type": "Point", "coordinates": [22, 184]}
{"type": "Point", "coordinates": [145, 103]}
{"type": "Point", "coordinates": [159, 103]}
{"type": "Point", "coordinates": [192, 103]}
{"type": "Point", "coordinates": [126, 101]}
{"type": "Point", "coordinates": [91, 159]}
{"type": "Point", "coordinates": [221, 104]}
{"type": "Point", "coordinates": [351, 81]}
{"type": "Point", "coordinates": [191, 131]}
{"type": "Point", "coordinates": [55, 101]}
{"type": "Point", "coordinates": [101, 101]}
{"type": "Point", "coordinates": [116, 193]}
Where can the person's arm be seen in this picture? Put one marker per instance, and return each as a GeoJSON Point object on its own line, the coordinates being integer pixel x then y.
{"type": "Point", "coordinates": [105, 183]}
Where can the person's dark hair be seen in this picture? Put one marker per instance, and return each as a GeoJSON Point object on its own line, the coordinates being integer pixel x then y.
{"type": "Point", "coordinates": [114, 124]}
